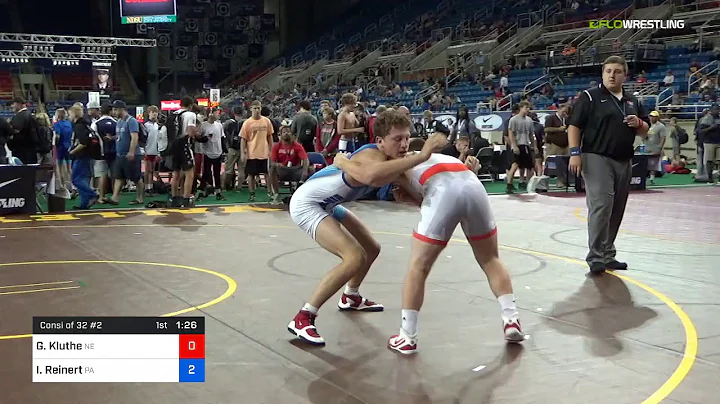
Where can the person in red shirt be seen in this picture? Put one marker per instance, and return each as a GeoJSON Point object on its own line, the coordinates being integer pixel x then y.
{"type": "Point", "coordinates": [288, 161]}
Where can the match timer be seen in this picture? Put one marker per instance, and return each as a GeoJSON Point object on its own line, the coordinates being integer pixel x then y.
{"type": "Point", "coordinates": [118, 349]}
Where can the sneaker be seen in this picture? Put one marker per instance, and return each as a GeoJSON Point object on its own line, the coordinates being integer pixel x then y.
{"type": "Point", "coordinates": [616, 265]}
{"type": "Point", "coordinates": [402, 343]}
{"type": "Point", "coordinates": [359, 303]}
{"type": "Point", "coordinates": [510, 188]}
{"type": "Point", "coordinates": [303, 326]}
{"type": "Point", "coordinates": [513, 332]}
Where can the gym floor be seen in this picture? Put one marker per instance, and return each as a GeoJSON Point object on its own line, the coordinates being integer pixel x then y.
{"type": "Point", "coordinates": [645, 335]}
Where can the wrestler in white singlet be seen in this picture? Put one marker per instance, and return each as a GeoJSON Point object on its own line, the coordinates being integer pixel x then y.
{"type": "Point", "coordinates": [452, 194]}
{"type": "Point", "coordinates": [321, 195]}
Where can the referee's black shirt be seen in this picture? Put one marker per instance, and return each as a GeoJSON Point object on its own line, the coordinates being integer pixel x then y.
{"type": "Point", "coordinates": [600, 117]}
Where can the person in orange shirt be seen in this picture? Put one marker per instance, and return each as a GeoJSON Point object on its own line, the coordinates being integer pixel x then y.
{"type": "Point", "coordinates": [257, 142]}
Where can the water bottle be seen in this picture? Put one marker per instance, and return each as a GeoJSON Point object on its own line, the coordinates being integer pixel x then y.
{"type": "Point", "coordinates": [643, 148]}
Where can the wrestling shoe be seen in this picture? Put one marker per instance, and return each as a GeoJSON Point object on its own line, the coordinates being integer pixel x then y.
{"type": "Point", "coordinates": [303, 326]}
{"type": "Point", "coordinates": [513, 332]}
{"type": "Point", "coordinates": [358, 303]}
{"type": "Point", "coordinates": [402, 343]}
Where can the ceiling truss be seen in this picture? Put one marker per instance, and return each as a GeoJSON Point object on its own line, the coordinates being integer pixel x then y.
{"type": "Point", "coordinates": [96, 57]}
{"type": "Point", "coordinates": [77, 40]}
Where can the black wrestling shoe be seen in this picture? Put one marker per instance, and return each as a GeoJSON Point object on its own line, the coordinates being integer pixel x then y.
{"type": "Point", "coordinates": [616, 265]}
{"type": "Point", "coordinates": [597, 268]}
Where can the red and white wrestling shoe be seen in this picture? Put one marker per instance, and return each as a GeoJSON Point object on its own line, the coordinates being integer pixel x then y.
{"type": "Point", "coordinates": [303, 326]}
{"type": "Point", "coordinates": [402, 343]}
{"type": "Point", "coordinates": [513, 332]}
{"type": "Point", "coordinates": [358, 303]}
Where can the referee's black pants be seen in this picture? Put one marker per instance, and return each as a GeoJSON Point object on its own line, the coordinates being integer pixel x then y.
{"type": "Point", "coordinates": [607, 185]}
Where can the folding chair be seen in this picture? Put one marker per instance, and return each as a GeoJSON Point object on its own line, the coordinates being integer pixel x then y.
{"type": "Point", "coordinates": [317, 160]}
{"type": "Point", "coordinates": [485, 158]}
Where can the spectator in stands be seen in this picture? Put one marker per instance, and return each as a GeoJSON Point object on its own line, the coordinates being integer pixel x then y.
{"type": "Point", "coordinates": [348, 125]}
{"type": "Point", "coordinates": [521, 136]}
{"type": "Point", "coordinates": [327, 138]}
{"type": "Point", "coordinates": [669, 79]}
{"type": "Point", "coordinates": [82, 159]}
{"type": "Point", "coordinates": [180, 155]}
{"type": "Point", "coordinates": [654, 142]}
{"type": "Point", "coordinates": [231, 127]}
{"type": "Point", "coordinates": [212, 152]}
{"type": "Point", "coordinates": [709, 126]}
{"type": "Point", "coordinates": [288, 162]}
{"type": "Point", "coordinates": [304, 126]}
{"type": "Point", "coordinates": [605, 121]}
{"type": "Point", "coordinates": [106, 127]}
{"type": "Point", "coordinates": [23, 144]}
{"type": "Point", "coordinates": [257, 141]}
{"type": "Point", "coordinates": [152, 158]}
{"type": "Point", "coordinates": [128, 160]}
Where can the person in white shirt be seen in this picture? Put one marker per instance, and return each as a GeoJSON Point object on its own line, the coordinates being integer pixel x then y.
{"type": "Point", "coordinates": [212, 151]}
{"type": "Point", "coordinates": [151, 147]}
{"type": "Point", "coordinates": [669, 79]}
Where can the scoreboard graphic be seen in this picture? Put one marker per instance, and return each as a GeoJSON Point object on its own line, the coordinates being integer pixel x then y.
{"type": "Point", "coordinates": [148, 11]}
{"type": "Point", "coordinates": [118, 349]}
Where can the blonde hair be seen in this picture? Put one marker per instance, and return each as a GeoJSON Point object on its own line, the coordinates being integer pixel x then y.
{"type": "Point", "coordinates": [43, 119]}
{"type": "Point", "coordinates": [76, 112]}
{"type": "Point", "coordinates": [61, 114]}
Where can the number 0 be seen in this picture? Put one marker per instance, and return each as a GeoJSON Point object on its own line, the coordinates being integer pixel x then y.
{"type": "Point", "coordinates": [191, 370]}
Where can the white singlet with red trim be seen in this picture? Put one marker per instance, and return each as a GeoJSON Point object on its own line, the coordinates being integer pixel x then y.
{"type": "Point", "coordinates": [452, 195]}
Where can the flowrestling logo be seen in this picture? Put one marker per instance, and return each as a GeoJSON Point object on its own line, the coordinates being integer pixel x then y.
{"type": "Point", "coordinates": [637, 24]}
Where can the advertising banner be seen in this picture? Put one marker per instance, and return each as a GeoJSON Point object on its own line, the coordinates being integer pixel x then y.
{"type": "Point", "coordinates": [17, 190]}
{"type": "Point", "coordinates": [485, 122]}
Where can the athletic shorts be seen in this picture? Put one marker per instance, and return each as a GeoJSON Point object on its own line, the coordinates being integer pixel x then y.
{"type": "Point", "coordinates": [525, 159]}
{"type": "Point", "coordinates": [289, 174]}
{"type": "Point", "coordinates": [256, 166]}
{"type": "Point", "coordinates": [181, 156]}
{"type": "Point", "coordinates": [101, 168]}
{"type": "Point", "coordinates": [453, 198]}
{"type": "Point", "coordinates": [308, 214]}
{"type": "Point", "coordinates": [128, 169]}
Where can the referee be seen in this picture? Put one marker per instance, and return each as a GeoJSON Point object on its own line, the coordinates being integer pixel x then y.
{"type": "Point", "coordinates": [601, 134]}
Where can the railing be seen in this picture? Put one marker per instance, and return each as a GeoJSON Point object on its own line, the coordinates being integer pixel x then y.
{"type": "Point", "coordinates": [535, 84]}
{"type": "Point", "coordinates": [697, 7]}
{"type": "Point", "coordinates": [699, 108]}
{"type": "Point", "coordinates": [648, 89]}
{"type": "Point", "coordinates": [709, 68]}
{"type": "Point", "coordinates": [451, 78]}
{"type": "Point", "coordinates": [426, 92]}
{"type": "Point", "coordinates": [500, 106]}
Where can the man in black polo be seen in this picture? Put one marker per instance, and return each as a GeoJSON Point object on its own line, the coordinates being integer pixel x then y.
{"type": "Point", "coordinates": [601, 134]}
{"type": "Point", "coordinates": [23, 144]}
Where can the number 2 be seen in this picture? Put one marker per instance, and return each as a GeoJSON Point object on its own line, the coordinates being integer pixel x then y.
{"type": "Point", "coordinates": [191, 370]}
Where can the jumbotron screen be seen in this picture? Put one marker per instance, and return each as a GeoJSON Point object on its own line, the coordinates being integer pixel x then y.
{"type": "Point", "coordinates": [148, 11]}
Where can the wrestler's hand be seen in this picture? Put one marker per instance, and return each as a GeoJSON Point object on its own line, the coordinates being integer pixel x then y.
{"type": "Point", "coordinates": [435, 143]}
{"type": "Point", "coordinates": [472, 163]}
{"type": "Point", "coordinates": [340, 160]}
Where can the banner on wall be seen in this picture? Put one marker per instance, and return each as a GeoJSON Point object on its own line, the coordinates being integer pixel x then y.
{"type": "Point", "coordinates": [214, 97]}
{"type": "Point", "coordinates": [484, 122]}
{"type": "Point", "coordinates": [174, 105]}
{"type": "Point", "coordinates": [140, 114]}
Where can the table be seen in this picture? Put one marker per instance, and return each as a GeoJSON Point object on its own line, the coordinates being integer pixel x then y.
{"type": "Point", "coordinates": [17, 189]}
{"type": "Point", "coordinates": [638, 179]}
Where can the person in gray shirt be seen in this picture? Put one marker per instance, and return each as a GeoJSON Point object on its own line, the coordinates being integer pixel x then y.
{"type": "Point", "coordinates": [304, 126]}
{"type": "Point", "coordinates": [654, 143]}
{"type": "Point", "coordinates": [521, 139]}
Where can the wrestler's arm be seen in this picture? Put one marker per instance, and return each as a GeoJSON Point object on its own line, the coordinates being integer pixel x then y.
{"type": "Point", "coordinates": [406, 193]}
{"type": "Point", "coordinates": [373, 169]}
